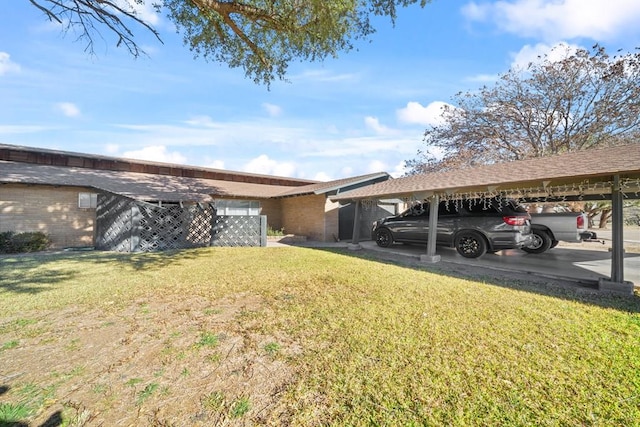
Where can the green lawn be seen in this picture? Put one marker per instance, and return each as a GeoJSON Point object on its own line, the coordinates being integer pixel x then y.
{"type": "Point", "coordinates": [334, 338]}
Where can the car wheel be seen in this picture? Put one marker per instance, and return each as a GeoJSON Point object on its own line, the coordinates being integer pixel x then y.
{"type": "Point", "coordinates": [384, 238]}
{"type": "Point", "coordinates": [541, 242]}
{"type": "Point", "coordinates": [554, 243]}
{"type": "Point", "coordinates": [471, 244]}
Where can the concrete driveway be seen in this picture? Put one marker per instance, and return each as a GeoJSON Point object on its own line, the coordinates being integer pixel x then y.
{"type": "Point", "coordinates": [581, 263]}
{"type": "Point", "coordinates": [584, 263]}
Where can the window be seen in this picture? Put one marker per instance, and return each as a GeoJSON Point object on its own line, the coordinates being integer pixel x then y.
{"type": "Point", "coordinates": [87, 200]}
{"type": "Point", "coordinates": [238, 207]}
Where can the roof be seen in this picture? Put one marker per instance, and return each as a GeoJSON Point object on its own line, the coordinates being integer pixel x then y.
{"type": "Point", "coordinates": [574, 172]}
{"type": "Point", "coordinates": [153, 187]}
{"type": "Point", "coordinates": [140, 186]}
{"type": "Point", "coordinates": [42, 156]}
{"type": "Point", "coordinates": [337, 185]}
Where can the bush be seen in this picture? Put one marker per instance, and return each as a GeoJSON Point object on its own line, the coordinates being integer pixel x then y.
{"type": "Point", "coordinates": [11, 242]}
{"type": "Point", "coordinates": [273, 232]}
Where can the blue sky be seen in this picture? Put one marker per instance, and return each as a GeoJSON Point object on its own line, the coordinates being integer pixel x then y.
{"type": "Point", "coordinates": [360, 113]}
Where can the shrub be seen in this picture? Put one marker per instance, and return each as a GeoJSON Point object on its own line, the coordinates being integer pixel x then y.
{"type": "Point", "coordinates": [273, 232]}
{"type": "Point", "coordinates": [11, 242]}
{"type": "Point", "coordinates": [5, 240]}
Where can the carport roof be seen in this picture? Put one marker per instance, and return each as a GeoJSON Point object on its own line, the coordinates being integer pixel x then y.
{"type": "Point", "coordinates": [577, 173]}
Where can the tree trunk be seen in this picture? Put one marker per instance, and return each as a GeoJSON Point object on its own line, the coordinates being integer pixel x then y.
{"type": "Point", "coordinates": [604, 218]}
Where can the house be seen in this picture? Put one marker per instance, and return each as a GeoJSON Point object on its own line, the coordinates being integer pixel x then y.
{"type": "Point", "coordinates": [130, 205]}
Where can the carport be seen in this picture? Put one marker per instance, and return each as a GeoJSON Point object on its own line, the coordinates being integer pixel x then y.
{"type": "Point", "coordinates": [611, 173]}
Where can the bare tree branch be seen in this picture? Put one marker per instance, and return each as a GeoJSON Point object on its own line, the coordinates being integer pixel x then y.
{"type": "Point", "coordinates": [585, 100]}
{"type": "Point", "coordinates": [86, 15]}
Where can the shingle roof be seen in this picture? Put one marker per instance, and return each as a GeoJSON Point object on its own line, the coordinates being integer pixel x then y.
{"type": "Point", "coordinates": [593, 165]}
{"type": "Point", "coordinates": [327, 187]}
{"type": "Point", "coordinates": [16, 153]}
{"type": "Point", "coordinates": [153, 187]}
{"type": "Point", "coordinates": [141, 186]}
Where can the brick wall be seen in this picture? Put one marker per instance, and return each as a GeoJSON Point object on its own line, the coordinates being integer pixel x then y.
{"type": "Point", "coordinates": [331, 221]}
{"type": "Point", "coordinates": [272, 208]}
{"type": "Point", "coordinates": [313, 216]}
{"type": "Point", "coordinates": [52, 210]}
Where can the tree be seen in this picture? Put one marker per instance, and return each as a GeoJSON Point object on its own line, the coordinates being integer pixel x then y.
{"type": "Point", "coordinates": [587, 99]}
{"type": "Point", "coordinates": [260, 36]}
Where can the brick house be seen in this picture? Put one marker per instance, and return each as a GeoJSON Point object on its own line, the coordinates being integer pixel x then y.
{"type": "Point", "coordinates": [59, 193]}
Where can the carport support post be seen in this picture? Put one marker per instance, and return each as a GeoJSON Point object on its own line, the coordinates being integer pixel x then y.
{"type": "Point", "coordinates": [617, 284]}
{"type": "Point", "coordinates": [431, 256]}
{"type": "Point", "coordinates": [617, 244]}
{"type": "Point", "coordinates": [355, 240]}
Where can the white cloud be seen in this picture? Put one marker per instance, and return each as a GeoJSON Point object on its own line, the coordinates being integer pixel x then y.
{"type": "Point", "coordinates": [374, 124]}
{"type": "Point", "coordinates": [216, 164]}
{"type": "Point", "coordinates": [376, 166]}
{"type": "Point", "coordinates": [347, 171]}
{"type": "Point", "coordinates": [483, 78]}
{"type": "Point", "coordinates": [415, 113]}
{"type": "Point", "coordinates": [156, 153]}
{"type": "Point", "coordinates": [112, 148]}
{"type": "Point", "coordinates": [559, 19]}
{"type": "Point", "coordinates": [266, 166]}
{"type": "Point", "coordinates": [532, 54]}
{"type": "Point", "coordinates": [201, 121]}
{"type": "Point", "coordinates": [398, 171]}
{"type": "Point", "coordinates": [272, 109]}
{"type": "Point", "coordinates": [6, 65]}
{"type": "Point", "coordinates": [22, 129]}
{"type": "Point", "coordinates": [322, 176]}
{"type": "Point", "coordinates": [69, 109]}
{"type": "Point", "coordinates": [145, 11]}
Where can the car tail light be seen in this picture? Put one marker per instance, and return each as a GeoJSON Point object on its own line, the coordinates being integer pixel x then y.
{"type": "Point", "coordinates": [580, 221]}
{"type": "Point", "coordinates": [515, 220]}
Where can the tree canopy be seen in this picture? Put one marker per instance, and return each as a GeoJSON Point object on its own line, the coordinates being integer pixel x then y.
{"type": "Point", "coordinates": [584, 100]}
{"type": "Point", "coordinates": [260, 36]}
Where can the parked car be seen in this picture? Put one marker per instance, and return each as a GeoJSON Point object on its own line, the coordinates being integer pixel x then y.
{"type": "Point", "coordinates": [473, 226]}
{"type": "Point", "coordinates": [548, 228]}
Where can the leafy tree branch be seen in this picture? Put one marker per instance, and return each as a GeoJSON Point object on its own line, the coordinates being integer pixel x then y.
{"type": "Point", "coordinates": [260, 36]}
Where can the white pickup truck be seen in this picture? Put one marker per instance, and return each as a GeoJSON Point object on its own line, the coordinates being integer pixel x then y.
{"type": "Point", "coordinates": [550, 228]}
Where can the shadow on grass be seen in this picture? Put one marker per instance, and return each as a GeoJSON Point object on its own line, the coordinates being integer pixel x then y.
{"type": "Point", "coordinates": [29, 273]}
{"type": "Point", "coordinates": [54, 420]}
{"type": "Point", "coordinates": [557, 288]}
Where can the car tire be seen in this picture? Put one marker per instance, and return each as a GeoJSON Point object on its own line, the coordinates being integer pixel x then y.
{"type": "Point", "coordinates": [554, 243]}
{"type": "Point", "coordinates": [542, 242]}
{"type": "Point", "coordinates": [470, 244]}
{"type": "Point", "coordinates": [384, 238]}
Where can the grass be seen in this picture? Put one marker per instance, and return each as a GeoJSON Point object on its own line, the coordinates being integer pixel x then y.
{"type": "Point", "coordinates": [147, 392]}
{"type": "Point", "coordinates": [12, 414]}
{"type": "Point", "coordinates": [208, 339]}
{"type": "Point", "coordinates": [379, 344]}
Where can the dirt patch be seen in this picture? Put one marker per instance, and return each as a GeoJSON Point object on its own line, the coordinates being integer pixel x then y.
{"type": "Point", "coordinates": [181, 361]}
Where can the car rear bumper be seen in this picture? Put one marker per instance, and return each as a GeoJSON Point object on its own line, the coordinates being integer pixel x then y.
{"type": "Point", "coordinates": [511, 241]}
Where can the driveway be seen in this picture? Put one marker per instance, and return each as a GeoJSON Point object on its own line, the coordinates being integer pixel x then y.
{"type": "Point", "coordinates": [580, 263]}
{"type": "Point", "coordinates": [584, 263]}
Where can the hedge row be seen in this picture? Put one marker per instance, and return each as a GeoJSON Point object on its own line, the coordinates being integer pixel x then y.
{"type": "Point", "coordinates": [11, 243]}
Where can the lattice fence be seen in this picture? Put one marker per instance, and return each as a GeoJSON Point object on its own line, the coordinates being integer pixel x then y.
{"type": "Point", "coordinates": [114, 223]}
{"type": "Point", "coordinates": [239, 230]}
{"type": "Point", "coordinates": [127, 225]}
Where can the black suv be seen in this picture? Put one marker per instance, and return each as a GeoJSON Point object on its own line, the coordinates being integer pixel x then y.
{"type": "Point", "coordinates": [473, 226]}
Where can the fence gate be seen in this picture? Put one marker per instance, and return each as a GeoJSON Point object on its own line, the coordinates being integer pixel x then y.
{"type": "Point", "coordinates": [127, 225]}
